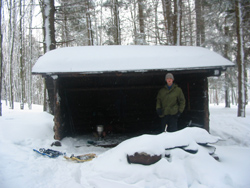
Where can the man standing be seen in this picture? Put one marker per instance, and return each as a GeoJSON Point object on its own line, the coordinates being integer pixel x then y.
{"type": "Point", "coordinates": [170, 104]}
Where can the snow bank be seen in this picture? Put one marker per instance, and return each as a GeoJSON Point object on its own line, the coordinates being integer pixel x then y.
{"type": "Point", "coordinates": [232, 129]}
{"type": "Point", "coordinates": [180, 170]}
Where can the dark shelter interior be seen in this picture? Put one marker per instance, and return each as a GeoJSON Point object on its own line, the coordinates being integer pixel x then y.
{"type": "Point", "coordinates": [125, 102]}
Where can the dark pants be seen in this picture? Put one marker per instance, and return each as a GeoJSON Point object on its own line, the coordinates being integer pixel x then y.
{"type": "Point", "coordinates": [171, 121]}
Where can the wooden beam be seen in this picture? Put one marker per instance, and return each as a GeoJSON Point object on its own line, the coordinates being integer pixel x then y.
{"type": "Point", "coordinates": [206, 105]}
{"type": "Point", "coordinates": [57, 112]}
{"type": "Point", "coordinates": [208, 71]}
{"type": "Point", "coordinates": [113, 88]}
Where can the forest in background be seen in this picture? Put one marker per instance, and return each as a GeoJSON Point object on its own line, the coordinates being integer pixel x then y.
{"type": "Point", "coordinates": [30, 28]}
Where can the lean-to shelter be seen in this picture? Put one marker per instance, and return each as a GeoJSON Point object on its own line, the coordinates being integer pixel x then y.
{"type": "Point", "coordinates": [116, 86]}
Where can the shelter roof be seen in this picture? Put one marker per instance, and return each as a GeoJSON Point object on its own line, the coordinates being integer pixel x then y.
{"type": "Point", "coordinates": [100, 59]}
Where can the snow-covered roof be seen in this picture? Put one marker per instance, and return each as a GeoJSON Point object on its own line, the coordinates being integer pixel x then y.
{"type": "Point", "coordinates": [98, 59]}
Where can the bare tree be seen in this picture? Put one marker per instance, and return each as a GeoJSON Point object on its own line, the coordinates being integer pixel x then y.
{"type": "Point", "coordinates": [89, 23]}
{"type": "Point", "coordinates": [21, 56]}
{"type": "Point", "coordinates": [246, 32]}
{"type": "Point", "coordinates": [133, 20]}
{"type": "Point", "coordinates": [113, 25]}
{"type": "Point", "coordinates": [168, 20]}
{"type": "Point", "coordinates": [190, 23]}
{"type": "Point", "coordinates": [1, 59]}
{"type": "Point", "coordinates": [157, 33]}
{"type": "Point", "coordinates": [117, 34]}
{"type": "Point", "coordinates": [226, 51]}
{"type": "Point", "coordinates": [48, 13]}
{"type": "Point", "coordinates": [142, 35]}
{"type": "Point", "coordinates": [49, 43]}
{"type": "Point", "coordinates": [177, 22]}
{"type": "Point", "coordinates": [101, 28]}
{"type": "Point", "coordinates": [240, 60]}
{"type": "Point", "coordinates": [200, 28]}
{"type": "Point", "coordinates": [12, 30]}
{"type": "Point", "coordinates": [30, 97]}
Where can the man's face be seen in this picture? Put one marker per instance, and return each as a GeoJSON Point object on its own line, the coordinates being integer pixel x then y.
{"type": "Point", "coordinates": [169, 81]}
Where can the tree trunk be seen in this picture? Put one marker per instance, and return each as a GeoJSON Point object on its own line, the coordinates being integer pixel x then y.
{"type": "Point", "coordinates": [141, 22]}
{"type": "Point", "coordinates": [246, 22]}
{"type": "Point", "coordinates": [227, 96]}
{"type": "Point", "coordinates": [30, 98]}
{"type": "Point", "coordinates": [177, 22]}
{"type": "Point", "coordinates": [48, 11]}
{"type": "Point", "coordinates": [133, 18]}
{"type": "Point", "coordinates": [101, 29]}
{"type": "Point", "coordinates": [65, 33]}
{"type": "Point", "coordinates": [117, 34]}
{"type": "Point", "coordinates": [21, 57]}
{"type": "Point", "coordinates": [226, 51]}
{"type": "Point", "coordinates": [200, 28]}
{"type": "Point", "coordinates": [168, 17]}
{"type": "Point", "coordinates": [233, 96]}
{"type": "Point", "coordinates": [240, 61]}
{"type": "Point", "coordinates": [157, 33]}
{"type": "Point", "coordinates": [89, 25]}
{"type": "Point", "coordinates": [190, 23]}
{"type": "Point", "coordinates": [1, 58]}
{"type": "Point", "coordinates": [12, 27]}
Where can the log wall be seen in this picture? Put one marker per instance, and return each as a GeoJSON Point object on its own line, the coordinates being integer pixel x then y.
{"type": "Point", "coordinates": [123, 102]}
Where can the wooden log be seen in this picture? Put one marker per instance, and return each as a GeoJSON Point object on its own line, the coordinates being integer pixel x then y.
{"type": "Point", "coordinates": [206, 106]}
{"type": "Point", "coordinates": [57, 113]}
{"type": "Point", "coordinates": [143, 158]}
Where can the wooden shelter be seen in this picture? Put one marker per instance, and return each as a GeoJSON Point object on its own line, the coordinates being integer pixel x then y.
{"type": "Point", "coordinates": [116, 86]}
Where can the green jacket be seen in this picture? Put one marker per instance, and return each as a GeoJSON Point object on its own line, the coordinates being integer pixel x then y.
{"type": "Point", "coordinates": [170, 101]}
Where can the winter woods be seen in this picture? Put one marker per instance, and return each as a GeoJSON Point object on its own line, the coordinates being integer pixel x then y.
{"type": "Point", "coordinates": [30, 28]}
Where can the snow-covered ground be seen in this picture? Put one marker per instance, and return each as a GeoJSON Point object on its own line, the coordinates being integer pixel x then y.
{"type": "Point", "coordinates": [20, 166]}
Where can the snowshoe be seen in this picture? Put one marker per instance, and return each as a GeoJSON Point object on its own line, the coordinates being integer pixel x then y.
{"type": "Point", "coordinates": [49, 152]}
{"type": "Point", "coordinates": [81, 158]}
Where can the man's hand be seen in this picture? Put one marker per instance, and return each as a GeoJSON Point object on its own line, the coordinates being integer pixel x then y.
{"type": "Point", "coordinates": [178, 114]}
{"type": "Point", "coordinates": [159, 111]}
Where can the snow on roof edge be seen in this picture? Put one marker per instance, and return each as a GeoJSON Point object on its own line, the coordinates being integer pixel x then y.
{"type": "Point", "coordinates": [100, 59]}
{"type": "Point", "coordinates": [129, 71]}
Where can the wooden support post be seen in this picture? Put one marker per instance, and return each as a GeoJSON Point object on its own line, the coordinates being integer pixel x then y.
{"type": "Point", "coordinates": [206, 105]}
{"type": "Point", "coordinates": [57, 111]}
